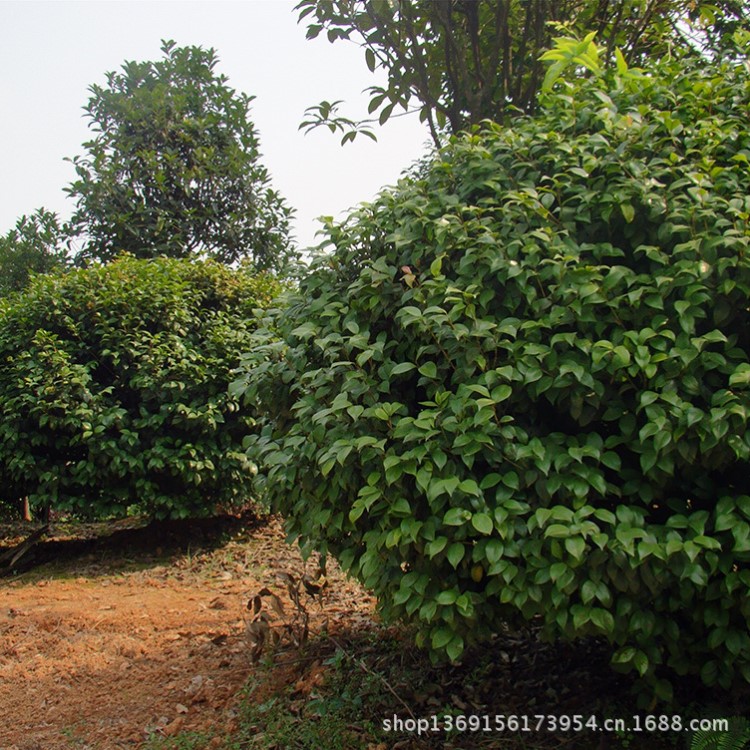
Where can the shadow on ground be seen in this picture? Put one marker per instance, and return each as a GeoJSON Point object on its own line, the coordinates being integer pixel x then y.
{"type": "Point", "coordinates": [135, 541]}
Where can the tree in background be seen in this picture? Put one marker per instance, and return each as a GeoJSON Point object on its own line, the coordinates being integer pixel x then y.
{"type": "Point", "coordinates": [35, 245]}
{"type": "Point", "coordinates": [464, 61]}
{"type": "Point", "coordinates": [174, 169]}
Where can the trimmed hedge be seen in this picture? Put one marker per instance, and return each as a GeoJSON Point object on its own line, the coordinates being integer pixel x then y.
{"type": "Point", "coordinates": [517, 389]}
{"type": "Point", "coordinates": [113, 388]}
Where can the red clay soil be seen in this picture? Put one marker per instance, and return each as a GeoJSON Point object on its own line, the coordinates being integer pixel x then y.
{"type": "Point", "coordinates": [102, 654]}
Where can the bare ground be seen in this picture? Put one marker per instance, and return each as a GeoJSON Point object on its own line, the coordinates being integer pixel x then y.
{"type": "Point", "coordinates": [107, 650]}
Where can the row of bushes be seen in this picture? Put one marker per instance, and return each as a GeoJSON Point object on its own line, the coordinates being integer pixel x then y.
{"type": "Point", "coordinates": [515, 389]}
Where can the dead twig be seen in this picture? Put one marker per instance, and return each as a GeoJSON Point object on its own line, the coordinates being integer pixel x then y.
{"type": "Point", "coordinates": [14, 554]}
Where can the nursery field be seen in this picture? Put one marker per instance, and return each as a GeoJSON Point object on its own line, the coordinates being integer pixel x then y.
{"type": "Point", "coordinates": [509, 397]}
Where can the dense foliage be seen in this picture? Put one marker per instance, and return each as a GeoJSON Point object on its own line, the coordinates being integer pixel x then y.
{"type": "Point", "coordinates": [518, 387]}
{"type": "Point", "coordinates": [174, 168]}
{"type": "Point", "coordinates": [113, 388]}
{"type": "Point", "coordinates": [462, 61]}
{"type": "Point", "coordinates": [35, 245]}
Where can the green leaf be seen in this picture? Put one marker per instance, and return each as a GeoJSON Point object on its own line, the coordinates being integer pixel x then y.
{"type": "Point", "coordinates": [402, 595]}
{"type": "Point", "coordinates": [401, 508]}
{"type": "Point", "coordinates": [429, 370]}
{"type": "Point", "coordinates": [625, 655]}
{"type": "Point", "coordinates": [403, 367]}
{"type": "Point", "coordinates": [356, 411]}
{"type": "Point", "coordinates": [455, 648]}
{"type": "Point", "coordinates": [741, 376]}
{"type": "Point", "coordinates": [709, 672]}
{"type": "Point", "coordinates": [576, 546]}
{"type": "Point", "coordinates": [441, 637]}
{"type": "Point", "coordinates": [641, 662]}
{"type": "Point", "coordinates": [436, 546]}
{"type": "Point", "coordinates": [553, 73]}
{"type": "Point", "coordinates": [604, 620]}
{"type": "Point", "coordinates": [385, 114]}
{"type": "Point", "coordinates": [501, 393]}
{"type": "Point", "coordinates": [470, 487]}
{"type": "Point", "coordinates": [456, 517]}
{"type": "Point", "coordinates": [628, 212]}
{"type": "Point", "coordinates": [489, 481]}
{"type": "Point", "coordinates": [663, 690]}
{"type": "Point", "coordinates": [455, 554]}
{"type": "Point", "coordinates": [611, 460]}
{"type": "Point", "coordinates": [447, 597]}
{"type": "Point", "coordinates": [622, 66]}
{"type": "Point", "coordinates": [327, 466]}
{"type": "Point", "coordinates": [557, 570]}
{"type": "Point", "coordinates": [494, 551]}
{"type": "Point", "coordinates": [482, 523]}
{"type": "Point", "coordinates": [557, 530]}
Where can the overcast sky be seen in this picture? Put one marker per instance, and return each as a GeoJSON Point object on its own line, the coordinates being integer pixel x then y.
{"type": "Point", "coordinates": [52, 52]}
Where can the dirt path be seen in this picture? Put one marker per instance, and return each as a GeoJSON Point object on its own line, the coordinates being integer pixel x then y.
{"type": "Point", "coordinates": [102, 655]}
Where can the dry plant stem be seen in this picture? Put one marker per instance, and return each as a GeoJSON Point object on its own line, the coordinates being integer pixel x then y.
{"type": "Point", "coordinates": [256, 604]}
{"type": "Point", "coordinates": [298, 660]}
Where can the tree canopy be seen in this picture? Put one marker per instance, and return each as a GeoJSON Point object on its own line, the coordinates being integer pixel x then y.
{"type": "Point", "coordinates": [464, 61]}
{"type": "Point", "coordinates": [35, 245]}
{"type": "Point", "coordinates": [174, 168]}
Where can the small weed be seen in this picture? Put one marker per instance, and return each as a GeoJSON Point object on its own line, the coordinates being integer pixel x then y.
{"type": "Point", "coordinates": [71, 735]}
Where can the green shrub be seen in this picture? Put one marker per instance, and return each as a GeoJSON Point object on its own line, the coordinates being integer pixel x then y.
{"type": "Point", "coordinates": [113, 388]}
{"type": "Point", "coordinates": [518, 387]}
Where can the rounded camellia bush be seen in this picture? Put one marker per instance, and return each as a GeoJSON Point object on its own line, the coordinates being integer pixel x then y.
{"type": "Point", "coordinates": [517, 388]}
{"type": "Point", "coordinates": [113, 388]}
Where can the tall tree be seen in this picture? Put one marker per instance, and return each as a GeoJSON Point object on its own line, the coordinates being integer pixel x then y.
{"type": "Point", "coordinates": [34, 245]}
{"type": "Point", "coordinates": [174, 168]}
{"type": "Point", "coordinates": [463, 61]}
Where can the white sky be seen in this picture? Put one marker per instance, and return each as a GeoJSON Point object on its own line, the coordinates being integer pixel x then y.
{"type": "Point", "coordinates": [53, 51]}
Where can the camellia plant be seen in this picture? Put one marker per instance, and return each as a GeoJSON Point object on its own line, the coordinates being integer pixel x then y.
{"type": "Point", "coordinates": [113, 388]}
{"type": "Point", "coordinates": [517, 388]}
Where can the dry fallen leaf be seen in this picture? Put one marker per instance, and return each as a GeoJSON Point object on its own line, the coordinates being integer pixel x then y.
{"type": "Point", "coordinates": [174, 727]}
